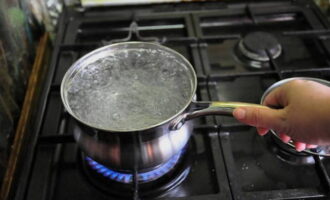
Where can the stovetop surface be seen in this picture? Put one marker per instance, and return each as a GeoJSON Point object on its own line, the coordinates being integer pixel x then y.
{"type": "Point", "coordinates": [229, 160]}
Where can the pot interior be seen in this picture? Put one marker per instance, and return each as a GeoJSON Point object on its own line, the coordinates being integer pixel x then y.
{"type": "Point", "coordinates": [128, 87]}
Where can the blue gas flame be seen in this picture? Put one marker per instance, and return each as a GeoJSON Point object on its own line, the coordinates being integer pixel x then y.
{"type": "Point", "coordinates": [142, 177]}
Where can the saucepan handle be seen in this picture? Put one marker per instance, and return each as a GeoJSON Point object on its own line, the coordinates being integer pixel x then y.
{"type": "Point", "coordinates": [209, 108]}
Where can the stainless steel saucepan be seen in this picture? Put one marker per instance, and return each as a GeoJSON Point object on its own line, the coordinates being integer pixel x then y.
{"type": "Point", "coordinates": [133, 102]}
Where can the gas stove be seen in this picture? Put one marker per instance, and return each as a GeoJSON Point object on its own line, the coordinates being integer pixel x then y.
{"type": "Point", "coordinates": [238, 50]}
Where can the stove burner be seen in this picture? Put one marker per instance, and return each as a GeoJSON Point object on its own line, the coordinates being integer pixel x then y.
{"type": "Point", "coordinates": [256, 44]}
{"type": "Point", "coordinates": [151, 184]}
{"type": "Point", "coordinates": [142, 177]}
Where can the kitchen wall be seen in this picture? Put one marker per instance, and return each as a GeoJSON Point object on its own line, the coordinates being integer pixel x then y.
{"type": "Point", "coordinates": [17, 44]}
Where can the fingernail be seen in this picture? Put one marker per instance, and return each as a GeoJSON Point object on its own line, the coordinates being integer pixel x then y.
{"type": "Point", "coordinates": [300, 146]}
{"type": "Point", "coordinates": [284, 137]}
{"type": "Point", "coordinates": [240, 113]}
{"type": "Point", "coordinates": [311, 146]}
{"type": "Point", "coordinates": [299, 149]}
{"type": "Point", "coordinates": [262, 131]}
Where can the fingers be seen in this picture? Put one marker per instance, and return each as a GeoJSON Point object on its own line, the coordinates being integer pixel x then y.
{"type": "Point", "coordinates": [311, 146]}
{"type": "Point", "coordinates": [276, 98]}
{"type": "Point", "coordinates": [285, 138]}
{"type": "Point", "coordinates": [262, 131]}
{"type": "Point", "coordinates": [261, 117]}
{"type": "Point", "coordinates": [299, 146]}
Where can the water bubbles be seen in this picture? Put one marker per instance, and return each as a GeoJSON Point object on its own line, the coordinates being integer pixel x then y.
{"type": "Point", "coordinates": [129, 89]}
{"type": "Point", "coordinates": [115, 116]}
{"type": "Point", "coordinates": [185, 94]}
{"type": "Point", "coordinates": [135, 76]}
{"type": "Point", "coordinates": [73, 90]}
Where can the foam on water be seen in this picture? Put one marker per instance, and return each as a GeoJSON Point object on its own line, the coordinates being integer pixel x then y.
{"type": "Point", "coordinates": [129, 90]}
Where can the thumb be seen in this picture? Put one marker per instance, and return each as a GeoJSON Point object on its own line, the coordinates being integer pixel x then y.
{"type": "Point", "coordinates": [261, 117]}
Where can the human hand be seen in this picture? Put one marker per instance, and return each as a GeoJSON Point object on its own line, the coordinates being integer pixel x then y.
{"type": "Point", "coordinates": [304, 119]}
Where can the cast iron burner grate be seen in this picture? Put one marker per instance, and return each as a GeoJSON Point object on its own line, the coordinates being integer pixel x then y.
{"type": "Point", "coordinates": [128, 177]}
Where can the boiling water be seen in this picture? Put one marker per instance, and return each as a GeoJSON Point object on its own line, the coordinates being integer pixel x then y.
{"type": "Point", "coordinates": [130, 90]}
